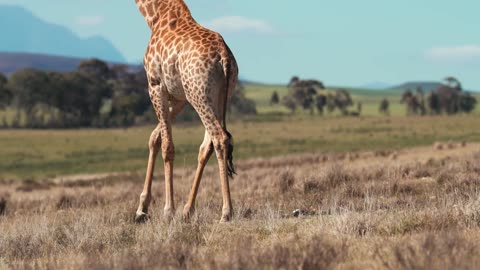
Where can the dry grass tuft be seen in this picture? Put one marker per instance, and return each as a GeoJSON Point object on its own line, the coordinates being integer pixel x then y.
{"type": "Point", "coordinates": [438, 146]}
{"type": "Point", "coordinates": [287, 179]}
{"type": "Point", "coordinates": [30, 185]}
{"type": "Point", "coordinates": [434, 251]}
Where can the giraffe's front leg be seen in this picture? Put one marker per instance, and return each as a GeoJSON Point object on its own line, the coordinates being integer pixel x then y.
{"type": "Point", "coordinates": [146, 196]}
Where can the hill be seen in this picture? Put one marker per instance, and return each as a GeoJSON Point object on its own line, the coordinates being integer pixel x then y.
{"type": "Point", "coordinates": [426, 86]}
{"type": "Point", "coordinates": [11, 62]}
{"type": "Point", "coordinates": [376, 86]}
{"type": "Point", "coordinates": [24, 32]}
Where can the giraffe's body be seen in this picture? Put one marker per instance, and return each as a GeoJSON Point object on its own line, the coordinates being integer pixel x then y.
{"type": "Point", "coordinates": [186, 63]}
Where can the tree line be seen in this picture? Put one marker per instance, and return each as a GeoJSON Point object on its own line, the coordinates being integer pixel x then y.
{"type": "Point", "coordinates": [449, 98]}
{"type": "Point", "coordinates": [309, 95]}
{"type": "Point", "coordinates": [96, 94]}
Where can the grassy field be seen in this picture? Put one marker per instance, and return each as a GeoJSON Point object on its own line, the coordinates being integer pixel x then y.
{"type": "Point", "coordinates": [49, 153]}
{"type": "Point", "coordinates": [408, 209]}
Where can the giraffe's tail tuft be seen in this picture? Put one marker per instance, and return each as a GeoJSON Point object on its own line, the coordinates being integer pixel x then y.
{"type": "Point", "coordinates": [227, 66]}
{"type": "Point", "coordinates": [230, 166]}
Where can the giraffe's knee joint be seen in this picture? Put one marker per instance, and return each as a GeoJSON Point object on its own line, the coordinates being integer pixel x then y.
{"type": "Point", "coordinates": [222, 143]}
{"type": "Point", "coordinates": [204, 152]}
{"type": "Point", "coordinates": [155, 140]}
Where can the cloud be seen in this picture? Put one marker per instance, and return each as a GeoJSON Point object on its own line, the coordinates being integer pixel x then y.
{"type": "Point", "coordinates": [90, 20]}
{"type": "Point", "coordinates": [239, 24]}
{"type": "Point", "coordinates": [457, 54]}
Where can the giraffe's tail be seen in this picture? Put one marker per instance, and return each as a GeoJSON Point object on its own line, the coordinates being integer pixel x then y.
{"type": "Point", "coordinates": [230, 166]}
{"type": "Point", "coordinates": [230, 85]}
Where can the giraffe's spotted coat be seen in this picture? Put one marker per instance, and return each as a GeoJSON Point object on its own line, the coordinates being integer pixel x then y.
{"type": "Point", "coordinates": [187, 63]}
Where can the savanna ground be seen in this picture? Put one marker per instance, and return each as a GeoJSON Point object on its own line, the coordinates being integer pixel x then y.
{"type": "Point", "coordinates": [369, 193]}
{"type": "Point", "coordinates": [405, 209]}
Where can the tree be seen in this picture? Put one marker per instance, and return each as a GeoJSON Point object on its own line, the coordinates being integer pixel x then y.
{"type": "Point", "coordinates": [420, 96]}
{"type": "Point", "coordinates": [95, 67]}
{"type": "Point", "coordinates": [384, 107]}
{"type": "Point", "coordinates": [83, 97]}
{"type": "Point", "coordinates": [411, 102]}
{"type": "Point", "coordinates": [274, 100]}
{"type": "Point", "coordinates": [453, 82]}
{"type": "Point", "coordinates": [311, 91]}
{"type": "Point", "coordinates": [240, 104]}
{"type": "Point", "coordinates": [303, 93]}
{"type": "Point", "coordinates": [320, 103]}
{"type": "Point", "coordinates": [342, 100]}
{"type": "Point", "coordinates": [294, 80]}
{"type": "Point", "coordinates": [31, 88]}
{"type": "Point", "coordinates": [129, 97]}
{"type": "Point", "coordinates": [120, 71]}
{"type": "Point", "coordinates": [5, 93]}
{"type": "Point", "coordinates": [434, 103]}
{"type": "Point", "coordinates": [467, 102]}
{"type": "Point", "coordinates": [450, 98]}
{"type": "Point", "coordinates": [290, 103]}
{"type": "Point", "coordinates": [331, 102]}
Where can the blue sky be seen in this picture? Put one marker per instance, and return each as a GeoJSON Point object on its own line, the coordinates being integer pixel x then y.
{"type": "Point", "coordinates": [341, 42]}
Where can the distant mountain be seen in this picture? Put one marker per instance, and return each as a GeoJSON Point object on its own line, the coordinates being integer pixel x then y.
{"type": "Point", "coordinates": [11, 62]}
{"type": "Point", "coordinates": [426, 86]}
{"type": "Point", "coordinates": [23, 32]}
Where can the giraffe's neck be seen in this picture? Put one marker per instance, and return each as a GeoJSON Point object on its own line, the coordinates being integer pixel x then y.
{"type": "Point", "coordinates": [155, 11]}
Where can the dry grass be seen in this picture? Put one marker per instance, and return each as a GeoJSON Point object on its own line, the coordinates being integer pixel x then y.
{"type": "Point", "coordinates": [419, 210]}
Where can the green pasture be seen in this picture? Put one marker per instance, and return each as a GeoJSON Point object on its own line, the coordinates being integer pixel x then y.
{"type": "Point", "coordinates": [49, 153]}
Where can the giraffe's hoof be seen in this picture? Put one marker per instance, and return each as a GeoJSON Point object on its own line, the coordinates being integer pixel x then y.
{"type": "Point", "coordinates": [141, 218]}
{"type": "Point", "coordinates": [227, 214]}
{"type": "Point", "coordinates": [188, 213]}
{"type": "Point", "coordinates": [226, 218]}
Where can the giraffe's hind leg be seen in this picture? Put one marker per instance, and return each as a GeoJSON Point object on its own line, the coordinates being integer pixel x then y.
{"type": "Point", "coordinates": [221, 142]}
{"type": "Point", "coordinates": [206, 150]}
{"type": "Point", "coordinates": [146, 196]}
{"type": "Point", "coordinates": [168, 152]}
{"type": "Point", "coordinates": [161, 138]}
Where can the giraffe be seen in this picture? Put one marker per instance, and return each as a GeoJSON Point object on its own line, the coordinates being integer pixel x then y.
{"type": "Point", "coordinates": [187, 63]}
